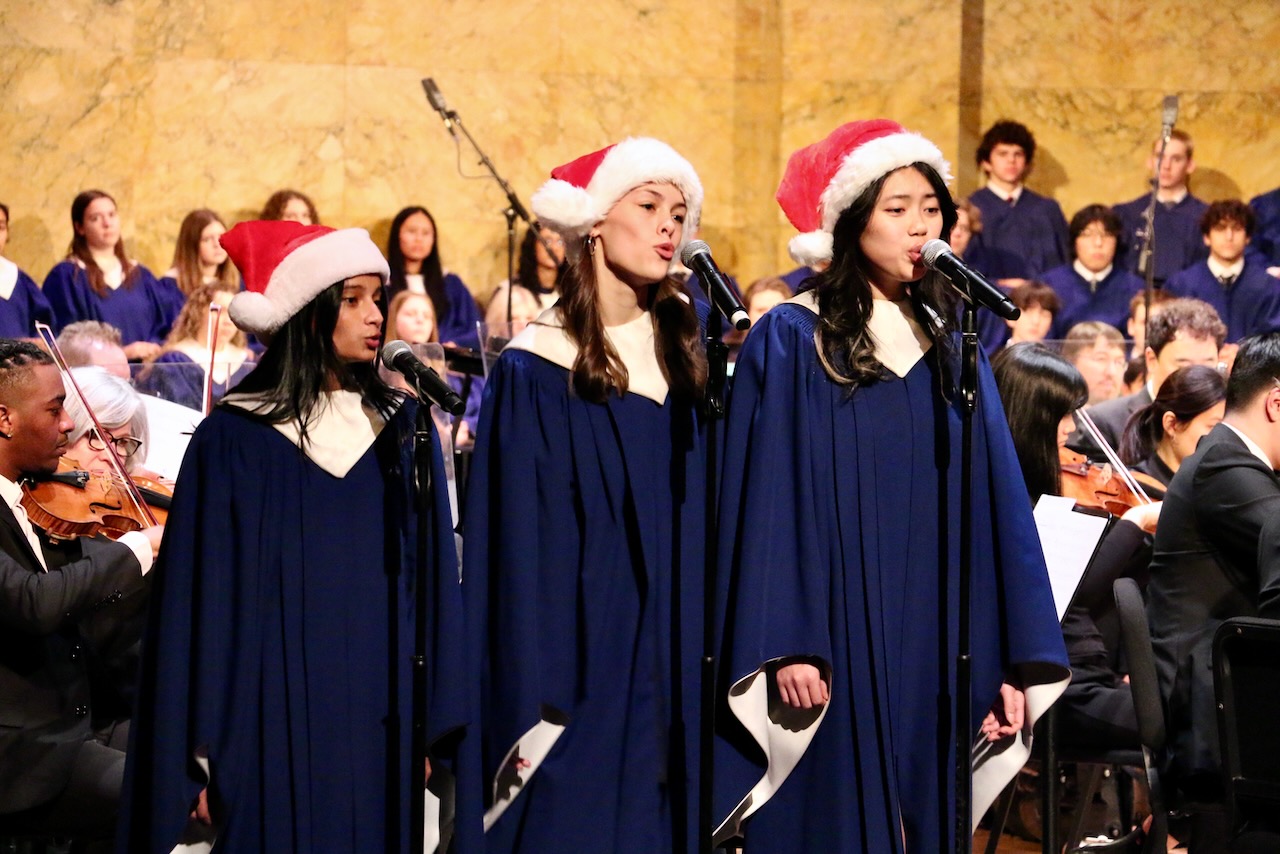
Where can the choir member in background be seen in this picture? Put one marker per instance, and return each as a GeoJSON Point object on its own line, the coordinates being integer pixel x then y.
{"type": "Point", "coordinates": [1246, 296]}
{"type": "Point", "coordinates": [413, 253]}
{"type": "Point", "coordinates": [1177, 213]}
{"type": "Point", "coordinates": [99, 281]}
{"type": "Point", "coordinates": [178, 373]}
{"type": "Point", "coordinates": [1026, 232]}
{"type": "Point", "coordinates": [760, 296]}
{"type": "Point", "coordinates": [290, 206]}
{"type": "Point", "coordinates": [1092, 286]}
{"type": "Point", "coordinates": [198, 257]}
{"type": "Point", "coordinates": [1266, 239]}
{"type": "Point", "coordinates": [22, 303]}
{"type": "Point", "coordinates": [1039, 305]}
{"type": "Point", "coordinates": [540, 269]}
{"type": "Point", "coordinates": [92, 342]}
{"type": "Point", "coordinates": [1096, 349]}
{"type": "Point", "coordinates": [839, 552]}
{"type": "Point", "coordinates": [1160, 435]}
{"type": "Point", "coordinates": [585, 527]}
{"type": "Point", "coordinates": [275, 688]}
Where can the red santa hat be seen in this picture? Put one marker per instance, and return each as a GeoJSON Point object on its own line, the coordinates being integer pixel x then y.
{"type": "Point", "coordinates": [285, 265]}
{"type": "Point", "coordinates": [581, 192]}
{"type": "Point", "coordinates": [823, 179]}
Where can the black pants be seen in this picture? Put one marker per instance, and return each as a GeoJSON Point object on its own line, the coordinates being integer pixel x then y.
{"type": "Point", "coordinates": [86, 809]}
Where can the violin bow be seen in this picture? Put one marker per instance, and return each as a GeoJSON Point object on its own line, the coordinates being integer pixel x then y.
{"type": "Point", "coordinates": [139, 503]}
{"type": "Point", "coordinates": [211, 338]}
{"type": "Point", "coordinates": [1091, 427]}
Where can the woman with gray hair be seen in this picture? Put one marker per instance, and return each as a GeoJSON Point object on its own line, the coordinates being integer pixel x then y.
{"type": "Point", "coordinates": [120, 411]}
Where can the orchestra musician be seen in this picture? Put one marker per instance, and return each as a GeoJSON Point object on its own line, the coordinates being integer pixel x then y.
{"type": "Point", "coordinates": [55, 775]}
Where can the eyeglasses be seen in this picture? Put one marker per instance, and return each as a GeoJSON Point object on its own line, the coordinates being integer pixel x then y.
{"type": "Point", "coordinates": [126, 446]}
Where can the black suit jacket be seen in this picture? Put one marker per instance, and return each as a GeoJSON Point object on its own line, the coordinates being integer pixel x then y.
{"type": "Point", "coordinates": [44, 678]}
{"type": "Point", "coordinates": [1110, 416]}
{"type": "Point", "coordinates": [1217, 555]}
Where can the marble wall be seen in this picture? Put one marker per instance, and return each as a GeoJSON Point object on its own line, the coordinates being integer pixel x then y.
{"type": "Point", "coordinates": [176, 104]}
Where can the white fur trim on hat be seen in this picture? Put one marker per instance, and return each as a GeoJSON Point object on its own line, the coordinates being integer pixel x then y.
{"type": "Point", "coordinates": [303, 274]}
{"type": "Point", "coordinates": [812, 247]}
{"type": "Point", "coordinates": [572, 210]}
{"type": "Point", "coordinates": [869, 161]}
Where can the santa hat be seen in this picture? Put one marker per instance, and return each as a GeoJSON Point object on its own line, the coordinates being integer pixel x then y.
{"type": "Point", "coordinates": [825, 178]}
{"type": "Point", "coordinates": [581, 192]}
{"type": "Point", "coordinates": [286, 265]}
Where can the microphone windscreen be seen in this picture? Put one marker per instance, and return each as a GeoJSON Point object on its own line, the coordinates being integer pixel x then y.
{"type": "Point", "coordinates": [692, 248]}
{"type": "Point", "coordinates": [933, 250]}
{"type": "Point", "coordinates": [391, 351]}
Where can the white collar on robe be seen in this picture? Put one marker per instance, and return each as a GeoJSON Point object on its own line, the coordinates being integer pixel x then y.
{"type": "Point", "coordinates": [633, 340]}
{"type": "Point", "coordinates": [8, 278]}
{"type": "Point", "coordinates": [338, 433]}
{"type": "Point", "coordinates": [900, 340]}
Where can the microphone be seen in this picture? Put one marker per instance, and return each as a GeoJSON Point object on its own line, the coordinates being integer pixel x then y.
{"type": "Point", "coordinates": [697, 257]}
{"type": "Point", "coordinates": [1169, 115]}
{"type": "Point", "coordinates": [436, 99]}
{"type": "Point", "coordinates": [397, 356]}
{"type": "Point", "coordinates": [937, 255]}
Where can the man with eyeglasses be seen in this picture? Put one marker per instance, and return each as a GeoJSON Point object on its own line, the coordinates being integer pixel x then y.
{"type": "Point", "coordinates": [55, 777]}
{"type": "Point", "coordinates": [1217, 555]}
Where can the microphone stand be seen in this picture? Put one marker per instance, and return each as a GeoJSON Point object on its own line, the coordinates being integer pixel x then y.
{"type": "Point", "coordinates": [423, 496]}
{"type": "Point", "coordinates": [513, 210]}
{"type": "Point", "coordinates": [1147, 254]}
{"type": "Point", "coordinates": [964, 676]}
{"type": "Point", "coordinates": [717, 376]}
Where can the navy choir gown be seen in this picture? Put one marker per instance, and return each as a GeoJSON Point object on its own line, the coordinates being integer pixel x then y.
{"type": "Point", "coordinates": [583, 579]}
{"type": "Point", "coordinates": [22, 303]}
{"type": "Point", "coordinates": [279, 647]}
{"type": "Point", "coordinates": [175, 376]}
{"type": "Point", "coordinates": [839, 547]}
{"type": "Point", "coordinates": [141, 308]}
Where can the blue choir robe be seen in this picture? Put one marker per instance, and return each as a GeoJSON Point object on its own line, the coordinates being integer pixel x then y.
{"type": "Point", "coordinates": [1027, 238]}
{"type": "Point", "coordinates": [175, 376]}
{"type": "Point", "coordinates": [1109, 302]}
{"type": "Point", "coordinates": [457, 325]}
{"type": "Point", "coordinates": [1250, 306]}
{"type": "Point", "coordinates": [1266, 236]}
{"type": "Point", "coordinates": [171, 296]}
{"type": "Point", "coordinates": [22, 303]}
{"type": "Point", "coordinates": [797, 277]}
{"type": "Point", "coordinates": [839, 538]}
{"type": "Point", "coordinates": [582, 576]}
{"type": "Point", "coordinates": [1179, 243]}
{"type": "Point", "coordinates": [278, 648]}
{"type": "Point", "coordinates": [139, 308]}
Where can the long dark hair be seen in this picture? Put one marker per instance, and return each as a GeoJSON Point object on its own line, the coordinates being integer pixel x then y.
{"type": "Point", "coordinates": [298, 363]}
{"type": "Point", "coordinates": [598, 367]}
{"type": "Point", "coordinates": [1038, 388]}
{"type": "Point", "coordinates": [79, 247]}
{"type": "Point", "coordinates": [432, 272]}
{"type": "Point", "coordinates": [186, 253]}
{"type": "Point", "coordinates": [846, 347]}
{"type": "Point", "coordinates": [527, 267]}
{"type": "Point", "coordinates": [1186, 393]}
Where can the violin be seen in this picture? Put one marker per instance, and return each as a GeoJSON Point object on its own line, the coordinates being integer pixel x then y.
{"type": "Point", "coordinates": [1108, 486]}
{"type": "Point", "coordinates": [73, 503]}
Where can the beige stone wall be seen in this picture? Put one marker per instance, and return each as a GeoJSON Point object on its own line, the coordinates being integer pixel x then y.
{"type": "Point", "coordinates": [176, 104]}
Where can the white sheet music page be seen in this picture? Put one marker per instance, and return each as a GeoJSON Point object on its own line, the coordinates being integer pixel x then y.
{"type": "Point", "coordinates": [1069, 540]}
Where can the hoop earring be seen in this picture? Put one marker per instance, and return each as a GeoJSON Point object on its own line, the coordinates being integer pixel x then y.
{"type": "Point", "coordinates": [591, 244]}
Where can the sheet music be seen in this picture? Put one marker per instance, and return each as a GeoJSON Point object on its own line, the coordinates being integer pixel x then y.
{"type": "Point", "coordinates": [1069, 539]}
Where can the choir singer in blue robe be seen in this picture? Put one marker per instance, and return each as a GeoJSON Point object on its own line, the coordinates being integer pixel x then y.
{"type": "Point", "coordinates": [584, 527]}
{"type": "Point", "coordinates": [275, 689]}
{"type": "Point", "coordinates": [840, 532]}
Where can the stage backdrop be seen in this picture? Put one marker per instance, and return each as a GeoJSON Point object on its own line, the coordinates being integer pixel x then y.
{"type": "Point", "coordinates": [175, 104]}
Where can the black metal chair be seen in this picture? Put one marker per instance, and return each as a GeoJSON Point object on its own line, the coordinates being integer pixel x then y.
{"type": "Point", "coordinates": [1246, 676]}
